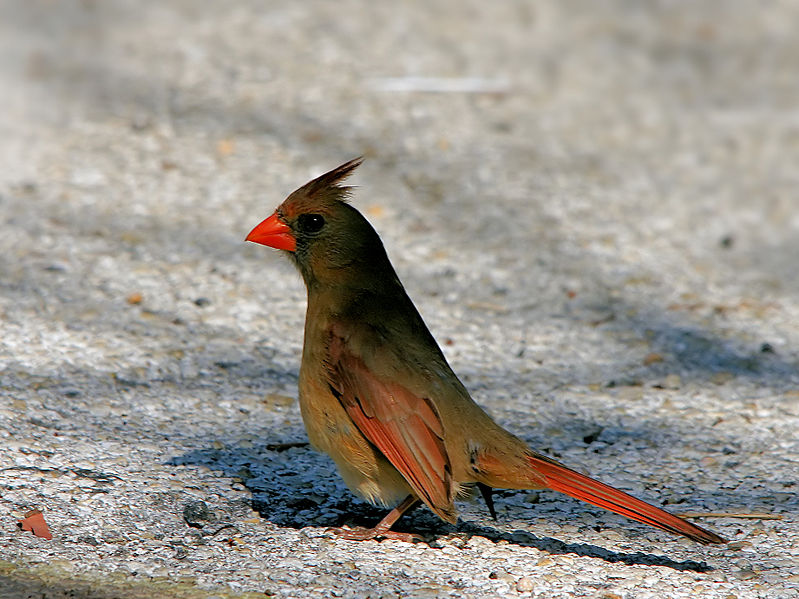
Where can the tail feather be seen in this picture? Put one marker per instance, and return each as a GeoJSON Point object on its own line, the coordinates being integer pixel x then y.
{"type": "Point", "coordinates": [565, 480]}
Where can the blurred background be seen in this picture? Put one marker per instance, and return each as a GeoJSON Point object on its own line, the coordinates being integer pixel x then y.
{"type": "Point", "coordinates": [634, 157]}
{"type": "Point", "coordinates": [593, 203]}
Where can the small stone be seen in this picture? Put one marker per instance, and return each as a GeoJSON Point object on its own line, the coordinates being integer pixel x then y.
{"type": "Point", "coordinates": [544, 562]}
{"type": "Point", "coordinates": [225, 147]}
{"type": "Point", "coordinates": [140, 122]}
{"type": "Point", "coordinates": [525, 584]}
{"type": "Point", "coordinates": [652, 358]}
{"type": "Point", "coordinates": [89, 540]}
{"type": "Point", "coordinates": [135, 298]}
{"type": "Point", "coordinates": [745, 574]}
{"type": "Point", "coordinates": [532, 497]}
{"type": "Point", "coordinates": [719, 378]}
{"type": "Point", "coordinates": [197, 514]}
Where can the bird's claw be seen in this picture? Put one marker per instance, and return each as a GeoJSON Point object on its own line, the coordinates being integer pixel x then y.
{"type": "Point", "coordinates": [361, 533]}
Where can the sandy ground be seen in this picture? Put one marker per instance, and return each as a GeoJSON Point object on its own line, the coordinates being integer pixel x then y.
{"type": "Point", "coordinates": [594, 205]}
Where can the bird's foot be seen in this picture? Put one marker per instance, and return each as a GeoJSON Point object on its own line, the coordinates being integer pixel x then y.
{"type": "Point", "coordinates": [361, 533]}
{"type": "Point", "coordinates": [383, 528]}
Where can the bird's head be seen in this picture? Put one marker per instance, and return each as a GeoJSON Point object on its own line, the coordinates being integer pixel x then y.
{"type": "Point", "coordinates": [329, 240]}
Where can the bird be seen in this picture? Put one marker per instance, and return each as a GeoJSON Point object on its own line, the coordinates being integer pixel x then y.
{"type": "Point", "coordinates": [377, 394]}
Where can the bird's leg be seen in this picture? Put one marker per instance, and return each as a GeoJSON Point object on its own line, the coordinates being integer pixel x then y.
{"type": "Point", "coordinates": [383, 528]}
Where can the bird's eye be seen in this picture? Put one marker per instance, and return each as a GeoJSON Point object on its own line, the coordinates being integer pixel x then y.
{"type": "Point", "coordinates": [310, 223]}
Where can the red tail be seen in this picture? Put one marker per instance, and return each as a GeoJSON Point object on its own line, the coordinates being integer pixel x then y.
{"type": "Point", "coordinates": [563, 479]}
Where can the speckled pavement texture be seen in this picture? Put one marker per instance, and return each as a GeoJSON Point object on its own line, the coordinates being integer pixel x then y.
{"type": "Point", "coordinates": [593, 204]}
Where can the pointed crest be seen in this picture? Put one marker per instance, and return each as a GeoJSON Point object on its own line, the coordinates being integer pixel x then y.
{"type": "Point", "coordinates": [321, 193]}
{"type": "Point", "coordinates": [328, 181]}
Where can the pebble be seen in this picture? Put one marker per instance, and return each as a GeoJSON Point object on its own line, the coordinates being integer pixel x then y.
{"type": "Point", "coordinates": [525, 584]}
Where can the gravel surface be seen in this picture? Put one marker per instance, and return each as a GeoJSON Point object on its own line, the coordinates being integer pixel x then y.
{"type": "Point", "coordinates": [593, 204]}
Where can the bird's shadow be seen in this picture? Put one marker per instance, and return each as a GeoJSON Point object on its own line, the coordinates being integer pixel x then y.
{"type": "Point", "coordinates": [557, 547]}
{"type": "Point", "coordinates": [433, 531]}
{"type": "Point", "coordinates": [279, 495]}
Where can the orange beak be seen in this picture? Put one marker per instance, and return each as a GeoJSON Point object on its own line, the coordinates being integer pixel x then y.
{"type": "Point", "coordinates": [274, 233]}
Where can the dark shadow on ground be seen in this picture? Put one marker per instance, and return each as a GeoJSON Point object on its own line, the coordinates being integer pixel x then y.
{"type": "Point", "coordinates": [556, 547]}
{"type": "Point", "coordinates": [297, 488]}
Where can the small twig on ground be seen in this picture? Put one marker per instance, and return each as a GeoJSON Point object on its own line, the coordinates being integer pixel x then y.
{"type": "Point", "coordinates": [754, 515]}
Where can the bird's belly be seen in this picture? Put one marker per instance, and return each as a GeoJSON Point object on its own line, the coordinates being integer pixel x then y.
{"type": "Point", "coordinates": [364, 469]}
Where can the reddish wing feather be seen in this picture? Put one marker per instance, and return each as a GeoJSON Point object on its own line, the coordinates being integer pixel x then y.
{"type": "Point", "coordinates": [404, 427]}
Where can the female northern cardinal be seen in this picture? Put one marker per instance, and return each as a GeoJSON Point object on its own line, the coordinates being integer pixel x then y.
{"type": "Point", "coordinates": [377, 394]}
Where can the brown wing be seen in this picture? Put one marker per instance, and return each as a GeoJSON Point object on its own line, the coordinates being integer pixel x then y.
{"type": "Point", "coordinates": [404, 427]}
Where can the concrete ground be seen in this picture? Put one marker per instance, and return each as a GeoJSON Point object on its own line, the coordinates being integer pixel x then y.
{"type": "Point", "coordinates": [593, 204]}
